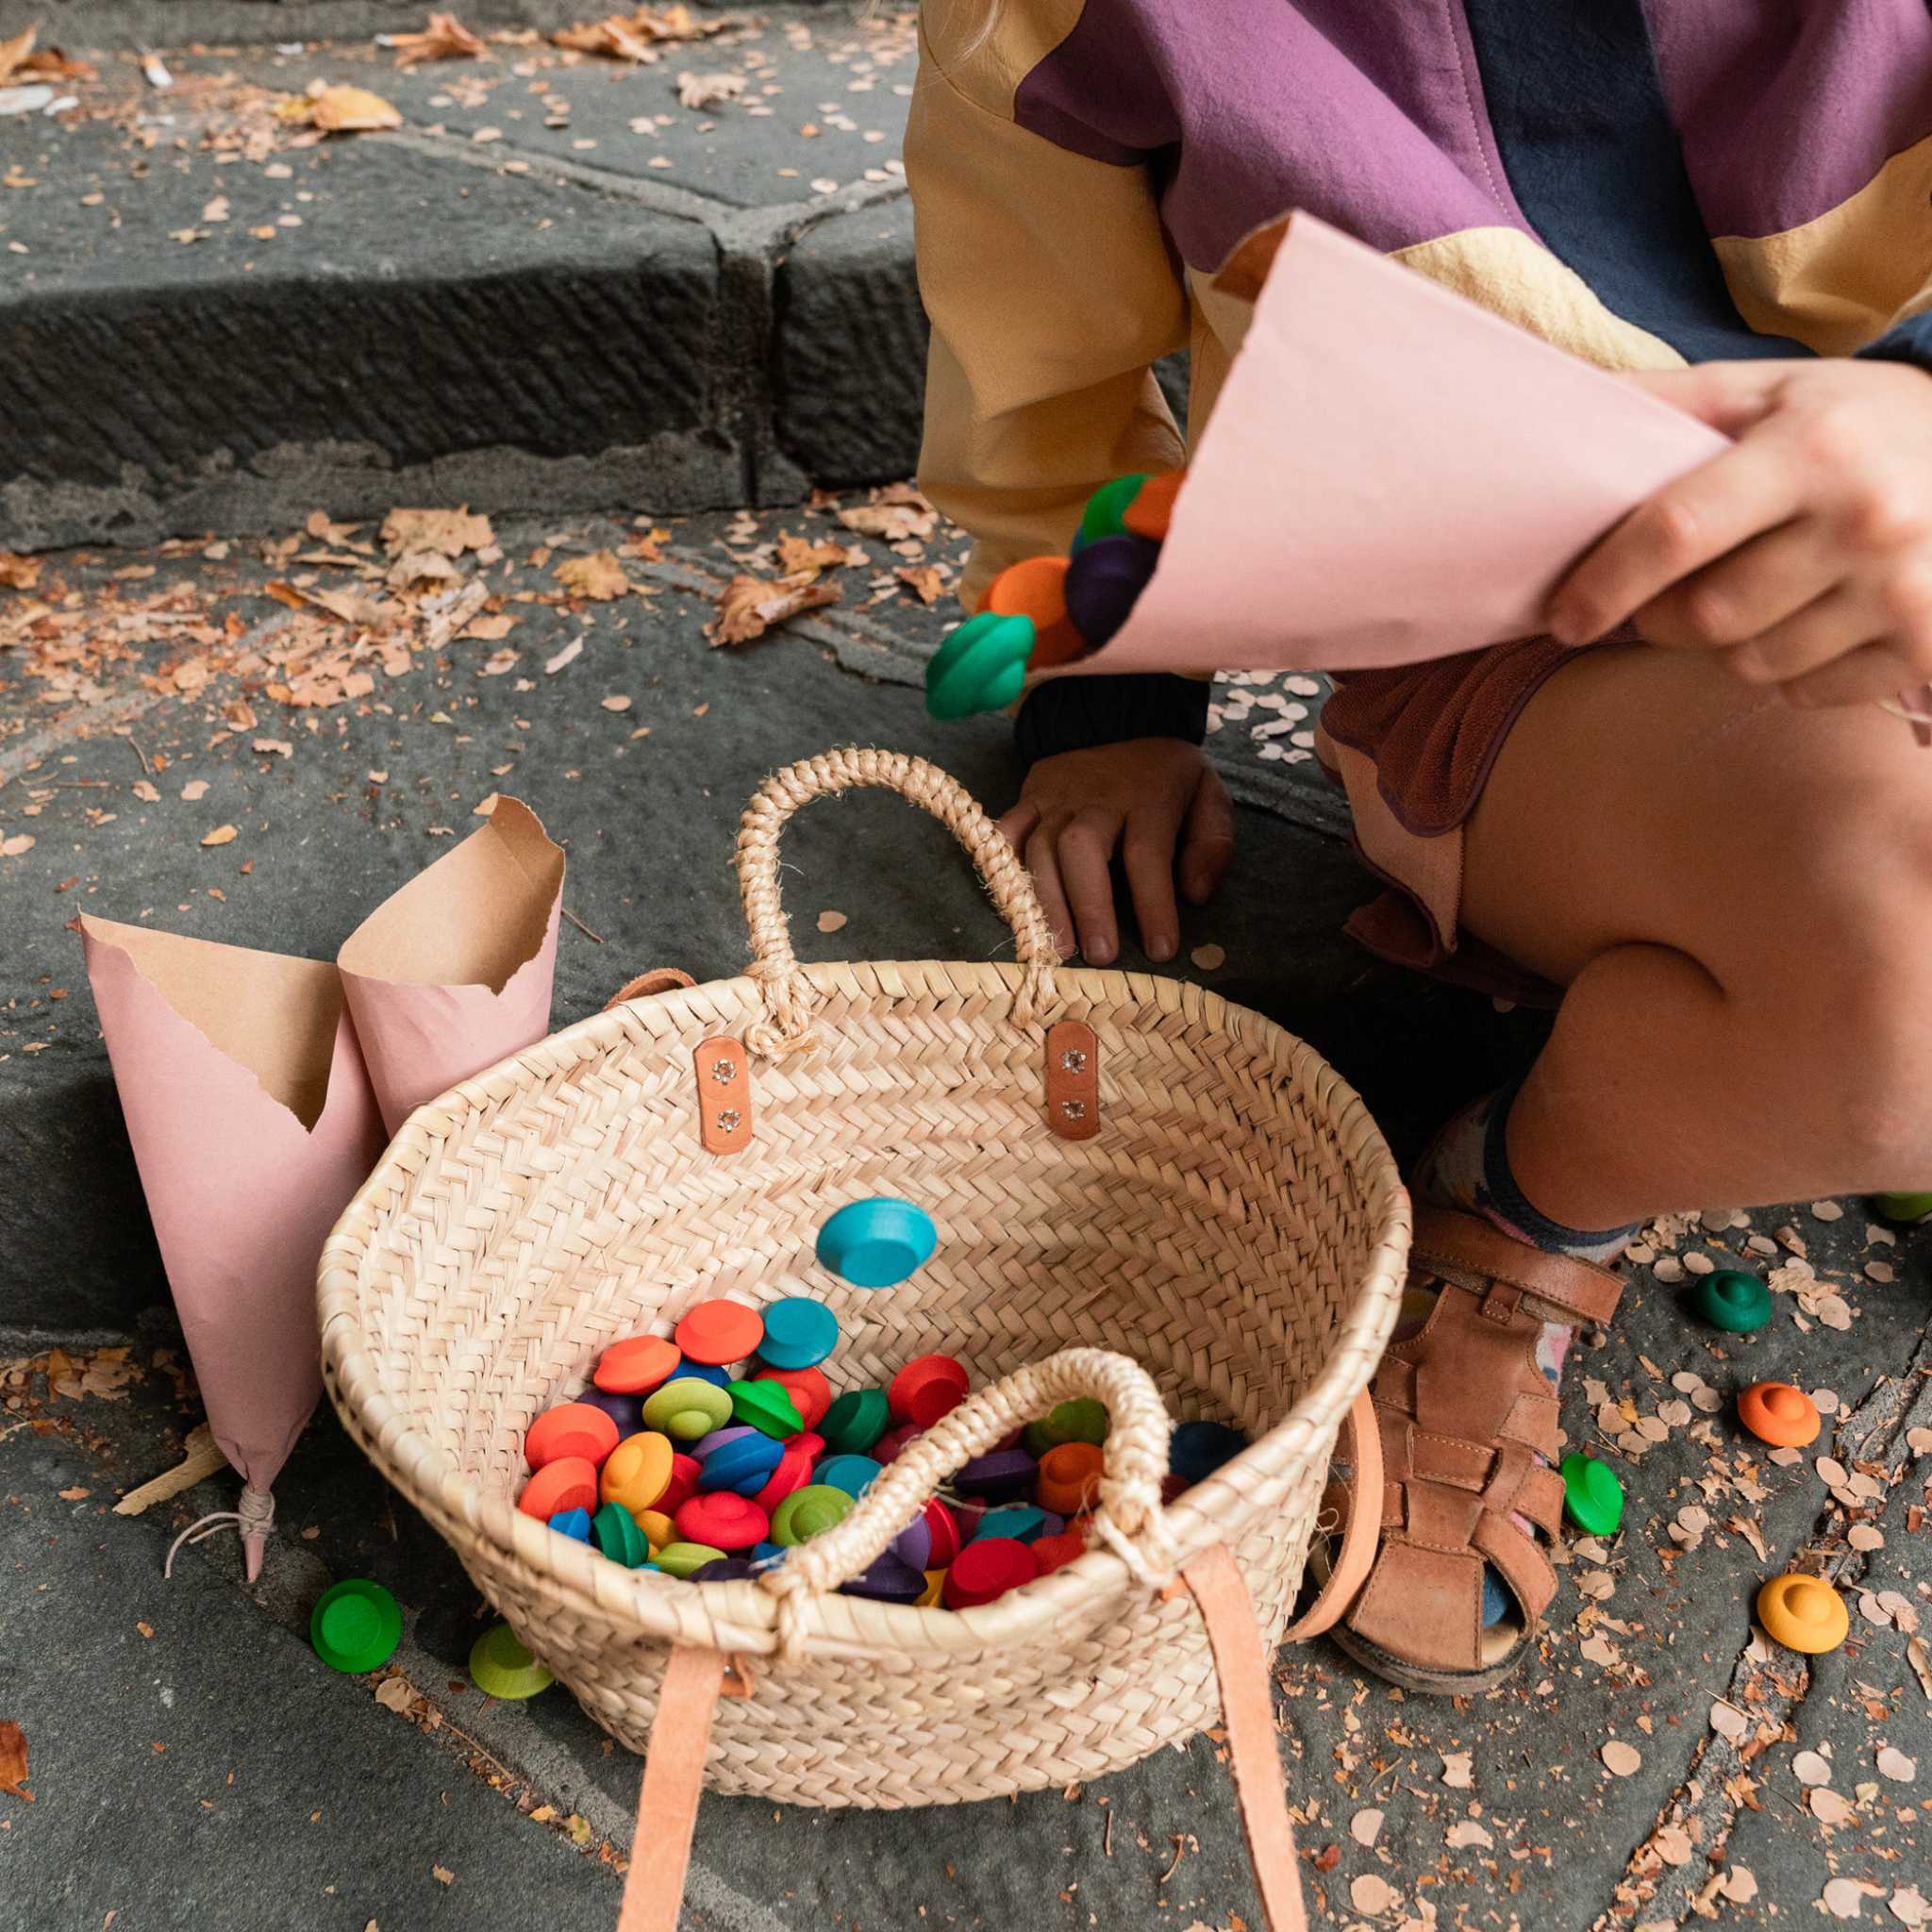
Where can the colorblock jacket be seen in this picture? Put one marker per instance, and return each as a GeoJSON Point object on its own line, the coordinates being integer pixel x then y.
{"type": "Point", "coordinates": [1642, 182]}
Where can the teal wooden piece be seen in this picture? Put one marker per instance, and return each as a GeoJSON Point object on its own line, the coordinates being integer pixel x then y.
{"type": "Point", "coordinates": [1734, 1301]}
{"type": "Point", "coordinates": [980, 667]}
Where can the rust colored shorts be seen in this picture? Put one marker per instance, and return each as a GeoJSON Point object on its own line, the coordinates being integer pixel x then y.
{"type": "Point", "coordinates": [1413, 747]}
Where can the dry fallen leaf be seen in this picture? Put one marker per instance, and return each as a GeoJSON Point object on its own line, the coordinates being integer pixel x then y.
{"type": "Point", "coordinates": [1808, 1768]}
{"type": "Point", "coordinates": [892, 519]}
{"type": "Point", "coordinates": [569, 654]}
{"type": "Point", "coordinates": [1620, 1760]}
{"type": "Point", "coordinates": [1209, 958]}
{"type": "Point", "coordinates": [349, 110]}
{"type": "Point", "coordinates": [443, 1874]}
{"type": "Point", "coordinates": [616, 702]}
{"type": "Point", "coordinates": [798, 558]}
{"type": "Point", "coordinates": [1894, 1764]}
{"type": "Point", "coordinates": [1843, 1897]}
{"type": "Point", "coordinates": [483, 807]}
{"type": "Point", "coordinates": [16, 573]}
{"type": "Point", "coordinates": [1466, 1833]}
{"type": "Point", "coordinates": [1827, 1806]}
{"type": "Point", "coordinates": [449, 532]}
{"type": "Point", "coordinates": [704, 89]}
{"type": "Point", "coordinates": [222, 835]}
{"type": "Point", "coordinates": [14, 52]}
{"type": "Point", "coordinates": [444, 39]}
{"type": "Point", "coordinates": [1365, 1827]}
{"type": "Point", "coordinates": [1370, 1893]}
{"type": "Point", "coordinates": [1458, 1770]}
{"type": "Point", "coordinates": [924, 582]}
{"type": "Point", "coordinates": [598, 576]}
{"type": "Point", "coordinates": [394, 1693]}
{"type": "Point", "coordinates": [12, 1739]}
{"type": "Point", "coordinates": [194, 789]}
{"type": "Point", "coordinates": [831, 922]}
{"type": "Point", "coordinates": [13, 847]}
{"type": "Point", "coordinates": [748, 608]}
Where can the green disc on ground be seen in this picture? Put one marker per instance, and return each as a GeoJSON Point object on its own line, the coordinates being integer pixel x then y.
{"type": "Point", "coordinates": [501, 1667]}
{"type": "Point", "coordinates": [1592, 1495]}
{"type": "Point", "coordinates": [356, 1625]}
{"type": "Point", "coordinates": [1732, 1300]}
{"type": "Point", "coordinates": [1904, 1207]}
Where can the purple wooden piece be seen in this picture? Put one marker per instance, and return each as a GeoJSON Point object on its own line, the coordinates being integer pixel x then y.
{"type": "Point", "coordinates": [1102, 582]}
{"type": "Point", "coordinates": [626, 1411]}
{"type": "Point", "coordinates": [885, 1579]}
{"type": "Point", "coordinates": [1003, 1476]}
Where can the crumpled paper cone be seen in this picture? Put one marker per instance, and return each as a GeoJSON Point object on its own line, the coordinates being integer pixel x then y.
{"type": "Point", "coordinates": [1392, 475]}
{"type": "Point", "coordinates": [454, 971]}
{"type": "Point", "coordinates": [253, 1124]}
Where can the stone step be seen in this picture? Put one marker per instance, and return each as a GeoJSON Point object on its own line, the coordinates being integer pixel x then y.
{"type": "Point", "coordinates": [553, 288]}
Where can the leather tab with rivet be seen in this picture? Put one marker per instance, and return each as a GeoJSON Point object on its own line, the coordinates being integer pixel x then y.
{"type": "Point", "coordinates": [1073, 1080]}
{"type": "Point", "coordinates": [724, 1071]}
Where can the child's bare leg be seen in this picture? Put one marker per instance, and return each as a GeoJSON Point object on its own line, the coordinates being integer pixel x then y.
{"type": "Point", "coordinates": [1738, 897]}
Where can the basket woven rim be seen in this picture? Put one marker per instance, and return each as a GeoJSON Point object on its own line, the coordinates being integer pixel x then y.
{"type": "Point", "coordinates": [743, 1616]}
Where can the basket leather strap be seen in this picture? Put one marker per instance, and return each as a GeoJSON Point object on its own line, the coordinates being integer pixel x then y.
{"type": "Point", "coordinates": [673, 1782]}
{"type": "Point", "coordinates": [1361, 1533]}
{"type": "Point", "coordinates": [1240, 1663]}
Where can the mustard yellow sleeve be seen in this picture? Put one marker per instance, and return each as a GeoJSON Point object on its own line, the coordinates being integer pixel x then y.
{"type": "Point", "coordinates": [1050, 290]}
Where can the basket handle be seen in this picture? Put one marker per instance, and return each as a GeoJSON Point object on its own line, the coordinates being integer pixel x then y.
{"type": "Point", "coordinates": [788, 999]}
{"type": "Point", "coordinates": [1127, 1515]}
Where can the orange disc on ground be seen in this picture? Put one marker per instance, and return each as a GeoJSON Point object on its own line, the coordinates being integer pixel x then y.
{"type": "Point", "coordinates": [628, 1367]}
{"type": "Point", "coordinates": [718, 1332]}
{"type": "Point", "coordinates": [569, 1483]}
{"type": "Point", "coordinates": [1068, 1473]}
{"type": "Point", "coordinates": [1152, 511]}
{"type": "Point", "coordinates": [572, 1428]}
{"type": "Point", "coordinates": [1777, 1413]}
{"type": "Point", "coordinates": [1037, 587]}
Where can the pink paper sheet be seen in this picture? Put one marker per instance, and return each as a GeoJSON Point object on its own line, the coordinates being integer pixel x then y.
{"type": "Point", "coordinates": [453, 971]}
{"type": "Point", "coordinates": [253, 1124]}
{"type": "Point", "coordinates": [1392, 475]}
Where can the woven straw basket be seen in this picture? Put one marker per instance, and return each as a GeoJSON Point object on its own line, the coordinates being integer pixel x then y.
{"type": "Point", "coordinates": [1229, 1239]}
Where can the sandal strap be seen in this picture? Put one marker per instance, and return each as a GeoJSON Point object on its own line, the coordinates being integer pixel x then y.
{"type": "Point", "coordinates": [1466, 1248]}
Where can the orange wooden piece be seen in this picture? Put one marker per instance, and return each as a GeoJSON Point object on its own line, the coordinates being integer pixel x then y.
{"type": "Point", "coordinates": [1068, 1473]}
{"type": "Point", "coordinates": [630, 1367]}
{"type": "Point", "coordinates": [718, 1332]}
{"type": "Point", "coordinates": [1777, 1413]}
{"type": "Point", "coordinates": [1151, 512]}
{"type": "Point", "coordinates": [1037, 587]}
{"type": "Point", "coordinates": [569, 1483]}
{"type": "Point", "coordinates": [572, 1428]}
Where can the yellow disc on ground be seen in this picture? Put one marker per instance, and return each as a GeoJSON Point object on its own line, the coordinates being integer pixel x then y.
{"type": "Point", "coordinates": [1803, 1613]}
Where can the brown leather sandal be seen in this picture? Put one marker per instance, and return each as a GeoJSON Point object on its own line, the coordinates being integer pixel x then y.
{"type": "Point", "coordinates": [1464, 1411]}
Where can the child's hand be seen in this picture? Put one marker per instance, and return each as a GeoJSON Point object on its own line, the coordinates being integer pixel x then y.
{"type": "Point", "coordinates": [1142, 796]}
{"type": "Point", "coordinates": [1805, 553]}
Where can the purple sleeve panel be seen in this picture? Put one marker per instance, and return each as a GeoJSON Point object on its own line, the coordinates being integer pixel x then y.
{"type": "Point", "coordinates": [1249, 108]}
{"type": "Point", "coordinates": [1787, 111]}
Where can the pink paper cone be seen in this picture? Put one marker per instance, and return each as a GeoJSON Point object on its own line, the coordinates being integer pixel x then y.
{"type": "Point", "coordinates": [453, 971]}
{"type": "Point", "coordinates": [1392, 475]}
{"type": "Point", "coordinates": [253, 1124]}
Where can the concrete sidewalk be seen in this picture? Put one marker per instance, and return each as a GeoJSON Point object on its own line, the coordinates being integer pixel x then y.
{"type": "Point", "coordinates": [554, 287]}
{"type": "Point", "coordinates": [129, 682]}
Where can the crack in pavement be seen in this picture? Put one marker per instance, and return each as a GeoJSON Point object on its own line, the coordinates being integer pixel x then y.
{"type": "Point", "coordinates": [1654, 1893]}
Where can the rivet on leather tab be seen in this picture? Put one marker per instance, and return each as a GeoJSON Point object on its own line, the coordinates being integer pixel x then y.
{"type": "Point", "coordinates": [723, 1073]}
{"type": "Point", "coordinates": [1073, 1080]}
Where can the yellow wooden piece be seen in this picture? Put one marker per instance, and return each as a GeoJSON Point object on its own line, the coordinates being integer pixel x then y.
{"type": "Point", "coordinates": [1803, 1613]}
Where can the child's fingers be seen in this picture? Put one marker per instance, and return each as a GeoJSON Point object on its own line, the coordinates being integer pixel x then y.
{"type": "Point", "coordinates": [1148, 852]}
{"type": "Point", "coordinates": [1017, 824]}
{"type": "Point", "coordinates": [1871, 672]}
{"type": "Point", "coordinates": [1206, 839]}
{"type": "Point", "coordinates": [1824, 631]}
{"type": "Point", "coordinates": [1687, 524]}
{"type": "Point", "coordinates": [1730, 397]}
{"type": "Point", "coordinates": [1085, 857]}
{"type": "Point", "coordinates": [1042, 861]}
{"type": "Point", "coordinates": [1739, 597]}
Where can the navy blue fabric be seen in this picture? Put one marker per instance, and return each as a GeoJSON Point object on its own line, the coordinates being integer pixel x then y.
{"type": "Point", "coordinates": [1588, 144]}
{"type": "Point", "coordinates": [1910, 341]}
{"type": "Point", "coordinates": [1076, 713]}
